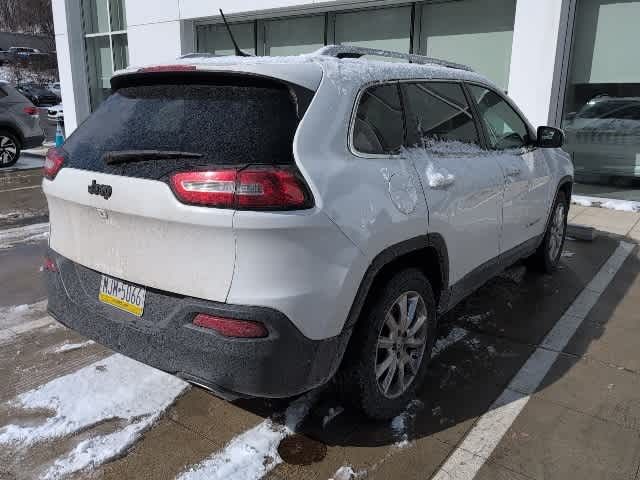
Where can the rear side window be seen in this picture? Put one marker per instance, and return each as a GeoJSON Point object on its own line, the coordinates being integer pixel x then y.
{"type": "Point", "coordinates": [225, 124]}
{"type": "Point", "coordinates": [378, 127]}
{"type": "Point", "coordinates": [3, 93]}
{"type": "Point", "coordinates": [439, 112]}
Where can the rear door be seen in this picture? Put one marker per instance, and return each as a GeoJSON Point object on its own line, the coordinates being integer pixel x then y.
{"type": "Point", "coordinates": [111, 206]}
{"type": "Point", "coordinates": [462, 184]}
{"type": "Point", "coordinates": [526, 173]}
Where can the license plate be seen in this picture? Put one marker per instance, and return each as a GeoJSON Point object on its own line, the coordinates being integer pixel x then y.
{"type": "Point", "coordinates": [122, 295]}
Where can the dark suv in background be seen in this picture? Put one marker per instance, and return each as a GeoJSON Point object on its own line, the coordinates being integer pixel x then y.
{"type": "Point", "coordinates": [19, 125]}
{"type": "Point", "coordinates": [38, 94]}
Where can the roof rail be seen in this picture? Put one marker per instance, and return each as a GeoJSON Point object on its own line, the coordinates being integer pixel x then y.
{"type": "Point", "coordinates": [347, 51]}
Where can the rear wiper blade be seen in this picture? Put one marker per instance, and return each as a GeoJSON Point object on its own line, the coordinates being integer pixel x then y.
{"type": "Point", "coordinates": [127, 156]}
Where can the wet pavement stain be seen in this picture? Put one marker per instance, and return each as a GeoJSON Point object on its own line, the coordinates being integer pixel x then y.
{"type": "Point", "coordinates": [301, 450]}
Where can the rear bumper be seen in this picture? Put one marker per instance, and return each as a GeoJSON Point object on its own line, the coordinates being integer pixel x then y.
{"type": "Point", "coordinates": [283, 364]}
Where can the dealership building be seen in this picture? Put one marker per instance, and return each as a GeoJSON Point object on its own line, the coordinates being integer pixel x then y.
{"type": "Point", "coordinates": [568, 63]}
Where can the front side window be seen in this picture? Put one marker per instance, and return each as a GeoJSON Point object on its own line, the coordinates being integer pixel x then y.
{"type": "Point", "coordinates": [439, 112]}
{"type": "Point", "coordinates": [505, 128]}
{"type": "Point", "coordinates": [378, 126]}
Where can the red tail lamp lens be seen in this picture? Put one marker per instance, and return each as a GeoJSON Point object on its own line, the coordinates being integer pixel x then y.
{"type": "Point", "coordinates": [267, 188]}
{"type": "Point", "coordinates": [230, 327]}
{"type": "Point", "coordinates": [30, 110]}
{"type": "Point", "coordinates": [53, 163]}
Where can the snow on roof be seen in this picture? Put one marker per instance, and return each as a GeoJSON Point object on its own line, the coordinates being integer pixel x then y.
{"type": "Point", "coordinates": [345, 72]}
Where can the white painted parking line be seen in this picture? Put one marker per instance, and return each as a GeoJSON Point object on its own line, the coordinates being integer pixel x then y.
{"type": "Point", "coordinates": [467, 460]}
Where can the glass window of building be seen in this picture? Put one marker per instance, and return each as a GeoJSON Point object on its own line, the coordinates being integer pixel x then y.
{"type": "Point", "coordinates": [215, 38]}
{"type": "Point", "coordinates": [106, 45]}
{"type": "Point", "coordinates": [293, 36]}
{"type": "Point", "coordinates": [478, 33]}
{"type": "Point", "coordinates": [602, 104]}
{"type": "Point", "coordinates": [388, 28]}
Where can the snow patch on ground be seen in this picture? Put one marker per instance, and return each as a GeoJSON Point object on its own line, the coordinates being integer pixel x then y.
{"type": "Point", "coordinates": [611, 204]}
{"type": "Point", "coordinates": [455, 335]}
{"type": "Point", "coordinates": [344, 473]}
{"type": "Point", "coordinates": [401, 424]}
{"type": "Point", "coordinates": [116, 388]}
{"type": "Point", "coordinates": [18, 314]}
{"type": "Point", "coordinates": [68, 347]}
{"type": "Point", "coordinates": [253, 453]}
{"type": "Point", "coordinates": [30, 233]}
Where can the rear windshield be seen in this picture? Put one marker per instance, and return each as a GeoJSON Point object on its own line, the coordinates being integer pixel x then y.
{"type": "Point", "coordinates": [227, 125]}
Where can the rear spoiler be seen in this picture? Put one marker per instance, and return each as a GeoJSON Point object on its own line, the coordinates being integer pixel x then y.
{"type": "Point", "coordinates": [181, 74]}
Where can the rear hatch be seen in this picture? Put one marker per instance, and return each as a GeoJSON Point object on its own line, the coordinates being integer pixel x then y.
{"type": "Point", "coordinates": [146, 190]}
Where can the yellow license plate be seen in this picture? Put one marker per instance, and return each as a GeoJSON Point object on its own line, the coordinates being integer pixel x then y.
{"type": "Point", "coordinates": [122, 295]}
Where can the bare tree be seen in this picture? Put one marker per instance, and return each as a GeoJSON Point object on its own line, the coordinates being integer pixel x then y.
{"type": "Point", "coordinates": [28, 16]}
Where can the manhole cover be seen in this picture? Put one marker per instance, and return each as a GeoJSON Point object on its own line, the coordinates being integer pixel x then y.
{"type": "Point", "coordinates": [301, 450]}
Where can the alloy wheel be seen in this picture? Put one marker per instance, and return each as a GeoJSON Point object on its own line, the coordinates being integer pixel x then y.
{"type": "Point", "coordinates": [556, 233]}
{"type": "Point", "coordinates": [8, 150]}
{"type": "Point", "coordinates": [401, 344]}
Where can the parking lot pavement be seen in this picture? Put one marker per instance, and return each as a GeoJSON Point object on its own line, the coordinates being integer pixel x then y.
{"type": "Point", "coordinates": [21, 198]}
{"type": "Point", "coordinates": [583, 418]}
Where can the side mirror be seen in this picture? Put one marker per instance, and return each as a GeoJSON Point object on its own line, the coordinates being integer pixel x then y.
{"type": "Point", "coordinates": [550, 137]}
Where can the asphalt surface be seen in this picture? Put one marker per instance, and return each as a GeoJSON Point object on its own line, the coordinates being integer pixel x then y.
{"type": "Point", "coordinates": [582, 421]}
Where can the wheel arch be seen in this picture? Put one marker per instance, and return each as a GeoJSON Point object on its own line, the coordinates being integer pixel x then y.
{"type": "Point", "coordinates": [12, 129]}
{"type": "Point", "coordinates": [427, 253]}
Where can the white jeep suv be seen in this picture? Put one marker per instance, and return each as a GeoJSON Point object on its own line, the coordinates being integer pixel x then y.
{"type": "Point", "coordinates": [259, 226]}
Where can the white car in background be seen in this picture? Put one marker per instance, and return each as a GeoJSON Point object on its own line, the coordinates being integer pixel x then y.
{"type": "Point", "coordinates": [55, 113]}
{"type": "Point", "coordinates": [260, 226]}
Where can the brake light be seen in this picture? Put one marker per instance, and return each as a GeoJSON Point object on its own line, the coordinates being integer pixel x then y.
{"type": "Point", "coordinates": [265, 188]}
{"type": "Point", "coordinates": [230, 327]}
{"type": "Point", "coordinates": [30, 110]}
{"type": "Point", "coordinates": [53, 163]}
{"type": "Point", "coordinates": [168, 68]}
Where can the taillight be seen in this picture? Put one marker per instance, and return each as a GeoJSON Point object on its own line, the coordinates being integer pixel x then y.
{"type": "Point", "coordinates": [30, 110]}
{"type": "Point", "coordinates": [231, 327]}
{"type": "Point", "coordinates": [53, 163]}
{"type": "Point", "coordinates": [258, 188]}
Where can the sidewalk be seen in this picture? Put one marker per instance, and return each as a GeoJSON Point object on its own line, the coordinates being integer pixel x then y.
{"type": "Point", "coordinates": [611, 221]}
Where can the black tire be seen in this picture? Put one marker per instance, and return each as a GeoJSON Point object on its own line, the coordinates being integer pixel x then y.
{"type": "Point", "coordinates": [8, 144]}
{"type": "Point", "coordinates": [357, 382]}
{"type": "Point", "coordinates": [547, 256]}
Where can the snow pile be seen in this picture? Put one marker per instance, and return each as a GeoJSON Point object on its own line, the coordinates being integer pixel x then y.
{"type": "Point", "coordinates": [20, 314]}
{"type": "Point", "coordinates": [344, 473]}
{"type": "Point", "coordinates": [401, 423]}
{"type": "Point", "coordinates": [113, 389]}
{"type": "Point", "coordinates": [611, 204]}
{"type": "Point", "coordinates": [254, 453]}
{"type": "Point", "coordinates": [68, 347]}
{"type": "Point", "coordinates": [31, 233]}
{"type": "Point", "coordinates": [455, 335]}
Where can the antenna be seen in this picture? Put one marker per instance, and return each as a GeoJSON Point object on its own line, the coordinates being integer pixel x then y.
{"type": "Point", "coordinates": [239, 53]}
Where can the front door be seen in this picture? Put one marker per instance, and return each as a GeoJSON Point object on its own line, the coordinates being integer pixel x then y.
{"type": "Point", "coordinates": [462, 183]}
{"type": "Point", "coordinates": [525, 170]}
